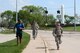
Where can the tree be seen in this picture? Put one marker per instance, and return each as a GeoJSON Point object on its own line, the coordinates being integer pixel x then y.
{"type": "Point", "coordinates": [68, 19]}
{"type": "Point", "coordinates": [14, 16]}
{"type": "Point", "coordinates": [29, 13]}
{"type": "Point", "coordinates": [8, 15]}
{"type": "Point", "coordinates": [51, 19]}
{"type": "Point", "coordinates": [37, 13]}
{"type": "Point", "coordinates": [24, 15]}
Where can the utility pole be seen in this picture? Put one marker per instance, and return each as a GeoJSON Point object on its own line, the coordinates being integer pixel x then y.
{"type": "Point", "coordinates": [74, 15]}
{"type": "Point", "coordinates": [16, 12]}
{"type": "Point", "coordinates": [62, 14]}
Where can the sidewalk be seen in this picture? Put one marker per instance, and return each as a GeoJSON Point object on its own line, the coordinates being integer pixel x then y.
{"type": "Point", "coordinates": [35, 46]}
{"type": "Point", "coordinates": [6, 37]}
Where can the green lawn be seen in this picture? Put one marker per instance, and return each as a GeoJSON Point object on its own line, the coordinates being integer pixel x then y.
{"type": "Point", "coordinates": [11, 46]}
{"type": "Point", "coordinates": [71, 28]}
{"type": "Point", "coordinates": [7, 31]}
{"type": "Point", "coordinates": [64, 28]}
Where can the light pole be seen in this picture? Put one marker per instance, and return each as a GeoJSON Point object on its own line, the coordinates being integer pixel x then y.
{"type": "Point", "coordinates": [16, 12]}
{"type": "Point", "coordinates": [74, 15]}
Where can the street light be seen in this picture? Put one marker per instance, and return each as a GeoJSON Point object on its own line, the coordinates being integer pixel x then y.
{"type": "Point", "coordinates": [31, 12]}
{"type": "Point", "coordinates": [58, 16]}
{"type": "Point", "coordinates": [16, 12]}
{"type": "Point", "coordinates": [58, 11]}
{"type": "Point", "coordinates": [74, 15]}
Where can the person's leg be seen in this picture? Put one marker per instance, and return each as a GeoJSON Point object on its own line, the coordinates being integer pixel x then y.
{"type": "Point", "coordinates": [17, 37]}
{"type": "Point", "coordinates": [60, 40]}
{"type": "Point", "coordinates": [17, 40]}
{"type": "Point", "coordinates": [34, 34]}
{"type": "Point", "coordinates": [36, 31]}
{"type": "Point", "coordinates": [55, 38]}
{"type": "Point", "coordinates": [20, 38]}
{"type": "Point", "coordinates": [57, 43]}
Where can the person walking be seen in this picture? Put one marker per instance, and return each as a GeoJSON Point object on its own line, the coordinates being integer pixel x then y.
{"type": "Point", "coordinates": [19, 27]}
{"type": "Point", "coordinates": [34, 27]}
{"type": "Point", "coordinates": [57, 33]}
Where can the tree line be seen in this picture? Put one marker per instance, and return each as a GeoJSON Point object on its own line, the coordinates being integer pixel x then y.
{"type": "Point", "coordinates": [29, 13]}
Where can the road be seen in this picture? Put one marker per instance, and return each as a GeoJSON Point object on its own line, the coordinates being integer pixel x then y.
{"type": "Point", "coordinates": [70, 42]}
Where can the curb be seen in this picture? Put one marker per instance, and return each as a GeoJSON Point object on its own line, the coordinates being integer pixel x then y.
{"type": "Point", "coordinates": [45, 44]}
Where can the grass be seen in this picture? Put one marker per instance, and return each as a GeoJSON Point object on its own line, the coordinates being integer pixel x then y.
{"type": "Point", "coordinates": [11, 46]}
{"type": "Point", "coordinates": [46, 28]}
{"type": "Point", "coordinates": [7, 31]}
{"type": "Point", "coordinates": [71, 28]}
{"type": "Point", "coordinates": [64, 28]}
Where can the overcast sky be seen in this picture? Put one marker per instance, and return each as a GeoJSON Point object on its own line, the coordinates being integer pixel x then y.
{"type": "Point", "coordinates": [52, 5]}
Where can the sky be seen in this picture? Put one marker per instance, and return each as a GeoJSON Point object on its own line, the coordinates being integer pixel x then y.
{"type": "Point", "coordinates": [52, 5]}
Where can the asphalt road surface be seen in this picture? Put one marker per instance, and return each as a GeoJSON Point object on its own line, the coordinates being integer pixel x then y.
{"type": "Point", "coordinates": [70, 42]}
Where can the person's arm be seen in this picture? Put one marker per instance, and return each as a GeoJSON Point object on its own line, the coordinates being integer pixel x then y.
{"type": "Point", "coordinates": [14, 28]}
{"type": "Point", "coordinates": [37, 26]}
{"type": "Point", "coordinates": [22, 28]}
{"type": "Point", "coordinates": [53, 32]}
{"type": "Point", "coordinates": [61, 31]}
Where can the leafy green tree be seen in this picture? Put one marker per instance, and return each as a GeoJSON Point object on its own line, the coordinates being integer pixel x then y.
{"type": "Point", "coordinates": [29, 13]}
{"type": "Point", "coordinates": [68, 19]}
{"type": "Point", "coordinates": [36, 13]}
{"type": "Point", "coordinates": [14, 16]}
{"type": "Point", "coordinates": [50, 19]}
{"type": "Point", "coordinates": [8, 15]}
{"type": "Point", "coordinates": [24, 15]}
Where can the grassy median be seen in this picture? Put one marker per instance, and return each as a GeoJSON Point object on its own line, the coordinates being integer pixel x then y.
{"type": "Point", "coordinates": [11, 46]}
